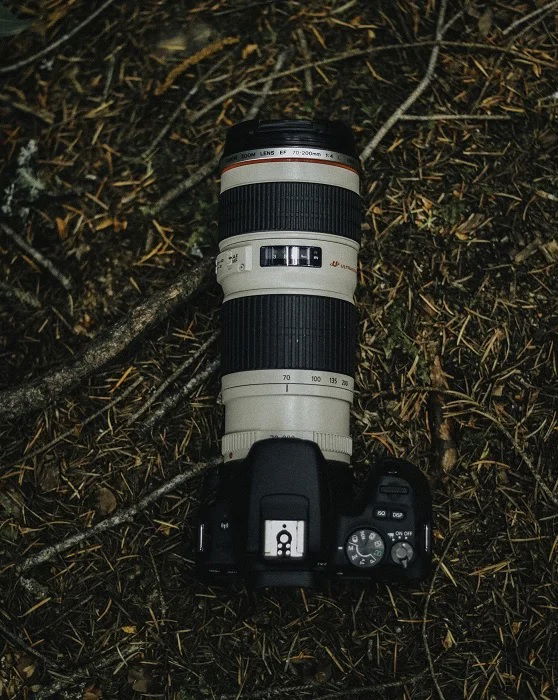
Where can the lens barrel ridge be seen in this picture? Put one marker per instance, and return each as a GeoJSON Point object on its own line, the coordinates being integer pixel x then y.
{"type": "Point", "coordinates": [290, 206]}
{"type": "Point", "coordinates": [288, 331]}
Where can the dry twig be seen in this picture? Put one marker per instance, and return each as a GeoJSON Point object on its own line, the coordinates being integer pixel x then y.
{"type": "Point", "coordinates": [172, 400]}
{"type": "Point", "coordinates": [416, 93]}
{"type": "Point", "coordinates": [259, 102]}
{"type": "Point", "coordinates": [453, 117]}
{"type": "Point", "coordinates": [66, 282]}
{"type": "Point", "coordinates": [170, 121]}
{"type": "Point", "coordinates": [306, 55]}
{"type": "Point", "coordinates": [40, 392]}
{"type": "Point", "coordinates": [529, 16]}
{"type": "Point", "coordinates": [55, 44]}
{"type": "Point", "coordinates": [345, 693]}
{"type": "Point", "coordinates": [188, 362]}
{"type": "Point", "coordinates": [183, 187]}
{"type": "Point", "coordinates": [16, 640]}
{"type": "Point", "coordinates": [23, 107]}
{"type": "Point", "coordinates": [21, 295]}
{"type": "Point", "coordinates": [425, 619]}
{"type": "Point", "coordinates": [81, 674]}
{"type": "Point", "coordinates": [210, 166]}
{"type": "Point", "coordinates": [123, 516]}
{"type": "Point", "coordinates": [72, 431]}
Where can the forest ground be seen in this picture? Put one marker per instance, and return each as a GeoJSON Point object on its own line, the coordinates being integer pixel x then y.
{"type": "Point", "coordinates": [457, 356]}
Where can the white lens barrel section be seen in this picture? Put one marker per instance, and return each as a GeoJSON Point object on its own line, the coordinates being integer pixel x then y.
{"type": "Point", "coordinates": [289, 227]}
{"type": "Point", "coordinates": [290, 171]}
{"type": "Point", "coordinates": [240, 273]}
{"type": "Point", "coordinates": [308, 404]}
{"type": "Point", "coordinates": [290, 164]}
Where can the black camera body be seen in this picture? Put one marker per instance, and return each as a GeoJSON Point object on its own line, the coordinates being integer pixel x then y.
{"type": "Point", "coordinates": [286, 516]}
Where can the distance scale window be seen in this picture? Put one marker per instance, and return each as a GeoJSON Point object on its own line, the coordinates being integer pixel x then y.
{"type": "Point", "coordinates": [290, 256]}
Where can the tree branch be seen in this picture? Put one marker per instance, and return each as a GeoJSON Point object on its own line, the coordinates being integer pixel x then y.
{"type": "Point", "coordinates": [40, 392]}
{"type": "Point", "coordinates": [125, 515]}
{"type": "Point", "coordinates": [66, 282]}
{"type": "Point", "coordinates": [417, 92]}
{"type": "Point", "coordinates": [173, 399]}
{"type": "Point", "coordinates": [55, 44]}
{"type": "Point", "coordinates": [188, 362]}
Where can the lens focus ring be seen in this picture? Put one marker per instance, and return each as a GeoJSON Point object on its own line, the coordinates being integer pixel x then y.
{"type": "Point", "coordinates": [290, 206]}
{"type": "Point", "coordinates": [288, 331]}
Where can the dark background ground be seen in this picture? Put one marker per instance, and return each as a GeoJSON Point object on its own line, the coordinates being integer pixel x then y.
{"type": "Point", "coordinates": [458, 267]}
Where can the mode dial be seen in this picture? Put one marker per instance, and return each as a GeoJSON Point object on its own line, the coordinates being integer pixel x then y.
{"type": "Point", "coordinates": [365, 548]}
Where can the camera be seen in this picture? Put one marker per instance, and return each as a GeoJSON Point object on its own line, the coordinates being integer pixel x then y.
{"type": "Point", "coordinates": [284, 509]}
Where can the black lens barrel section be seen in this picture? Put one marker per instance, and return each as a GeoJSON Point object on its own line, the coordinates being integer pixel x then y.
{"type": "Point", "coordinates": [327, 135]}
{"type": "Point", "coordinates": [288, 331]}
{"type": "Point", "coordinates": [290, 206]}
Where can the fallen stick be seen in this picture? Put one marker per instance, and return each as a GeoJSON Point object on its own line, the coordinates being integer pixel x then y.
{"type": "Point", "coordinates": [55, 44]}
{"type": "Point", "coordinates": [172, 400]}
{"type": "Point", "coordinates": [38, 393]}
{"type": "Point", "coordinates": [21, 295]}
{"type": "Point", "coordinates": [416, 93]}
{"type": "Point", "coordinates": [193, 90]}
{"type": "Point", "coordinates": [66, 282]}
{"type": "Point", "coordinates": [453, 117]}
{"type": "Point", "coordinates": [72, 431]}
{"type": "Point", "coordinates": [210, 166]}
{"type": "Point", "coordinates": [89, 670]}
{"type": "Point", "coordinates": [531, 15]}
{"type": "Point", "coordinates": [188, 362]}
{"type": "Point", "coordinates": [125, 515]}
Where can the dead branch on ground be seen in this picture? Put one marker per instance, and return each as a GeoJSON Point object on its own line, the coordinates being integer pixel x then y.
{"type": "Point", "coordinates": [65, 281]}
{"type": "Point", "coordinates": [416, 93]}
{"type": "Point", "coordinates": [38, 393]}
{"type": "Point", "coordinates": [172, 400]}
{"type": "Point", "coordinates": [210, 166]}
{"type": "Point", "coordinates": [123, 516]}
{"type": "Point", "coordinates": [55, 44]}
{"type": "Point", "coordinates": [188, 362]}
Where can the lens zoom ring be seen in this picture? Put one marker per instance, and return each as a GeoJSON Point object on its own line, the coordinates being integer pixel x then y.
{"type": "Point", "coordinates": [288, 331]}
{"type": "Point", "coordinates": [290, 206]}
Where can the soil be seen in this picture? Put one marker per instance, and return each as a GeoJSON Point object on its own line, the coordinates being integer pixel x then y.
{"type": "Point", "coordinates": [457, 360]}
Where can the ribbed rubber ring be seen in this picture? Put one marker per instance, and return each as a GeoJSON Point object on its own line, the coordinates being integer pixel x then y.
{"type": "Point", "coordinates": [288, 331]}
{"type": "Point", "coordinates": [290, 206]}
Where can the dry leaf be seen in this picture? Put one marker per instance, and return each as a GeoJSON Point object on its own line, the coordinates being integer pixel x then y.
{"type": "Point", "coordinates": [448, 641]}
{"type": "Point", "coordinates": [129, 629]}
{"type": "Point", "coordinates": [92, 693]}
{"type": "Point", "coordinates": [485, 22]}
{"type": "Point", "coordinates": [106, 501]}
{"type": "Point", "coordinates": [61, 227]}
{"type": "Point", "coordinates": [139, 679]}
{"type": "Point", "coordinates": [248, 50]}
